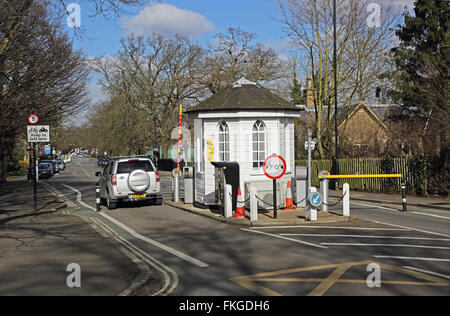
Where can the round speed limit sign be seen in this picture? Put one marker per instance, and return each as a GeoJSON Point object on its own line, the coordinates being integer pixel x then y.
{"type": "Point", "coordinates": [33, 119]}
{"type": "Point", "coordinates": [274, 167]}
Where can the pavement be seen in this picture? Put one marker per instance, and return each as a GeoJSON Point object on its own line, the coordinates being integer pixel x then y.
{"type": "Point", "coordinates": [265, 218]}
{"type": "Point", "coordinates": [38, 246]}
{"type": "Point", "coordinates": [298, 216]}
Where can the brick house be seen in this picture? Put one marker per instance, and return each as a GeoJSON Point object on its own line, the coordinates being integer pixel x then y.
{"type": "Point", "coordinates": [362, 128]}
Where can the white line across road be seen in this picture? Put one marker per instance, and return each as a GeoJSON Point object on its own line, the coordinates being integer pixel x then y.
{"type": "Point", "coordinates": [366, 236]}
{"type": "Point", "coordinates": [428, 272]}
{"type": "Point", "coordinates": [332, 227]}
{"type": "Point", "coordinates": [175, 252]}
{"type": "Point", "coordinates": [432, 215]}
{"type": "Point", "coordinates": [412, 258]}
{"type": "Point", "coordinates": [285, 238]}
{"type": "Point", "coordinates": [382, 245]}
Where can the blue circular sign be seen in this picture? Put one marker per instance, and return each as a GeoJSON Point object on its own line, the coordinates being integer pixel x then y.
{"type": "Point", "coordinates": [315, 199]}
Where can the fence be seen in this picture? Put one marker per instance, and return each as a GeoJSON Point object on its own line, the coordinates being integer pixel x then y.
{"type": "Point", "coordinates": [366, 166]}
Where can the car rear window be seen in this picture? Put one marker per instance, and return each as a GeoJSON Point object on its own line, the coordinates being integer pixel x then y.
{"type": "Point", "coordinates": [129, 166]}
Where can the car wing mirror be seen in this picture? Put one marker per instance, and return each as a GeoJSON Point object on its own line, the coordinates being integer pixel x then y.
{"type": "Point", "coordinates": [98, 174]}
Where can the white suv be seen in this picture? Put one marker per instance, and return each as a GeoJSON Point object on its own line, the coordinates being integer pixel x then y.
{"type": "Point", "coordinates": [129, 179]}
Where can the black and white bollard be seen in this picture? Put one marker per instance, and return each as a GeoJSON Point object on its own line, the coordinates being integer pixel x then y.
{"type": "Point", "coordinates": [97, 197]}
{"type": "Point", "coordinates": [404, 196]}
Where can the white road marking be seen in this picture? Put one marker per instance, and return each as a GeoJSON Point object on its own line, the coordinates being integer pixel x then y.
{"type": "Point", "coordinates": [428, 272]}
{"type": "Point", "coordinates": [412, 258]}
{"type": "Point", "coordinates": [382, 245]}
{"type": "Point", "coordinates": [285, 238]}
{"type": "Point", "coordinates": [79, 197]}
{"type": "Point", "coordinates": [175, 252]}
{"type": "Point", "coordinates": [432, 215]}
{"type": "Point", "coordinates": [165, 270]}
{"type": "Point", "coordinates": [332, 227]}
{"type": "Point", "coordinates": [366, 236]}
{"type": "Point", "coordinates": [58, 194]}
{"type": "Point", "coordinates": [90, 176]}
{"type": "Point", "coordinates": [411, 228]}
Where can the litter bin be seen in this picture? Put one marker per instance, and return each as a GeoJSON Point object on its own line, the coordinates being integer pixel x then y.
{"type": "Point", "coordinates": [189, 177]}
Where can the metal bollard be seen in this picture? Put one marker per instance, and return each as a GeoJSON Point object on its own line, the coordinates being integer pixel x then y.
{"type": "Point", "coordinates": [176, 185]}
{"type": "Point", "coordinates": [346, 201]}
{"type": "Point", "coordinates": [324, 185]}
{"type": "Point", "coordinates": [97, 197]}
{"type": "Point", "coordinates": [311, 214]}
{"type": "Point", "coordinates": [404, 196]}
{"type": "Point", "coordinates": [228, 201]}
{"type": "Point", "coordinates": [253, 204]}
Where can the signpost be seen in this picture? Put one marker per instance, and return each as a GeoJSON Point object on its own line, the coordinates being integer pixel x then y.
{"type": "Point", "coordinates": [274, 167]}
{"type": "Point", "coordinates": [36, 134]}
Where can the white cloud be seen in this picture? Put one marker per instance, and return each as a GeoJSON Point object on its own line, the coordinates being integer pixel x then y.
{"type": "Point", "coordinates": [167, 20]}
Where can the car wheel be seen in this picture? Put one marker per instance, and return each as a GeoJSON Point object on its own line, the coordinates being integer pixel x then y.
{"type": "Point", "coordinates": [158, 201]}
{"type": "Point", "coordinates": [111, 205]}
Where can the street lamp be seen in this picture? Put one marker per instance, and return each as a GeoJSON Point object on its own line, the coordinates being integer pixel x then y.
{"type": "Point", "coordinates": [336, 153]}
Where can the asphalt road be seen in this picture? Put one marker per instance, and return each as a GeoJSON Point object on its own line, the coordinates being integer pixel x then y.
{"type": "Point", "coordinates": [193, 255]}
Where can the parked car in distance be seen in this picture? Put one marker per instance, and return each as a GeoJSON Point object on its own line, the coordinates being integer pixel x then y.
{"type": "Point", "coordinates": [52, 163]}
{"type": "Point", "coordinates": [61, 165]}
{"type": "Point", "coordinates": [101, 162]}
{"type": "Point", "coordinates": [129, 179]}
{"type": "Point", "coordinates": [44, 170]}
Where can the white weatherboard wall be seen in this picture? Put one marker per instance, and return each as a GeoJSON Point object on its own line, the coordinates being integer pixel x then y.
{"type": "Point", "coordinates": [279, 139]}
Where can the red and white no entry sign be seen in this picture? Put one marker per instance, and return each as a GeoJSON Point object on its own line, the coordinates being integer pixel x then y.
{"type": "Point", "coordinates": [274, 167]}
{"type": "Point", "coordinates": [33, 119]}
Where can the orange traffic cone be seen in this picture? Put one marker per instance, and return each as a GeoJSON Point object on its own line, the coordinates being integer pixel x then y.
{"type": "Point", "coordinates": [289, 203]}
{"type": "Point", "coordinates": [239, 206]}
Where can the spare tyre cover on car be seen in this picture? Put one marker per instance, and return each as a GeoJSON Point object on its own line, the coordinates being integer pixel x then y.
{"type": "Point", "coordinates": [138, 181]}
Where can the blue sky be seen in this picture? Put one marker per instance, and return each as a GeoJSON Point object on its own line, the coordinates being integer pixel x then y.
{"type": "Point", "coordinates": [200, 20]}
{"type": "Point", "coordinates": [102, 36]}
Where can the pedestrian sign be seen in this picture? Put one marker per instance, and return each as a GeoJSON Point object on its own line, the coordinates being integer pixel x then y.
{"type": "Point", "coordinates": [315, 199]}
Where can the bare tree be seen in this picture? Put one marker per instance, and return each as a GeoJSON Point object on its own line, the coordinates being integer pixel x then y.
{"type": "Point", "coordinates": [232, 55]}
{"type": "Point", "coordinates": [155, 75]}
{"type": "Point", "coordinates": [360, 52]}
{"type": "Point", "coordinates": [40, 73]}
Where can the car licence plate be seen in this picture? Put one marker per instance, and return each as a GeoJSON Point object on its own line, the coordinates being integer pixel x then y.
{"type": "Point", "coordinates": [136, 196]}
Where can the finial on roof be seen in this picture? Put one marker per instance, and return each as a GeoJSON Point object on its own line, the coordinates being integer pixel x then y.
{"type": "Point", "coordinates": [243, 81]}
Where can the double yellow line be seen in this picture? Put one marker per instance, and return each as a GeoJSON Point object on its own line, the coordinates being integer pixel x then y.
{"type": "Point", "coordinates": [171, 279]}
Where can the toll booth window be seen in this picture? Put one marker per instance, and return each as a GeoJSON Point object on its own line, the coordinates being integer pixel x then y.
{"type": "Point", "coordinates": [258, 143]}
{"type": "Point", "coordinates": [224, 142]}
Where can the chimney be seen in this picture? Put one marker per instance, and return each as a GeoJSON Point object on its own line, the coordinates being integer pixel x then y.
{"type": "Point", "coordinates": [308, 93]}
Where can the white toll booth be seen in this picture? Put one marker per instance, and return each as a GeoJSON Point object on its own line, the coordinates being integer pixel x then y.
{"type": "Point", "coordinates": [243, 123]}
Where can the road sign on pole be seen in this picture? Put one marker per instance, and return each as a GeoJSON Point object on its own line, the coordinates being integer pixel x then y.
{"type": "Point", "coordinates": [33, 119]}
{"type": "Point", "coordinates": [274, 167]}
{"type": "Point", "coordinates": [38, 133]}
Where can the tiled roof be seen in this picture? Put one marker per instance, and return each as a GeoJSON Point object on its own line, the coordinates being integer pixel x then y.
{"type": "Point", "coordinates": [243, 95]}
